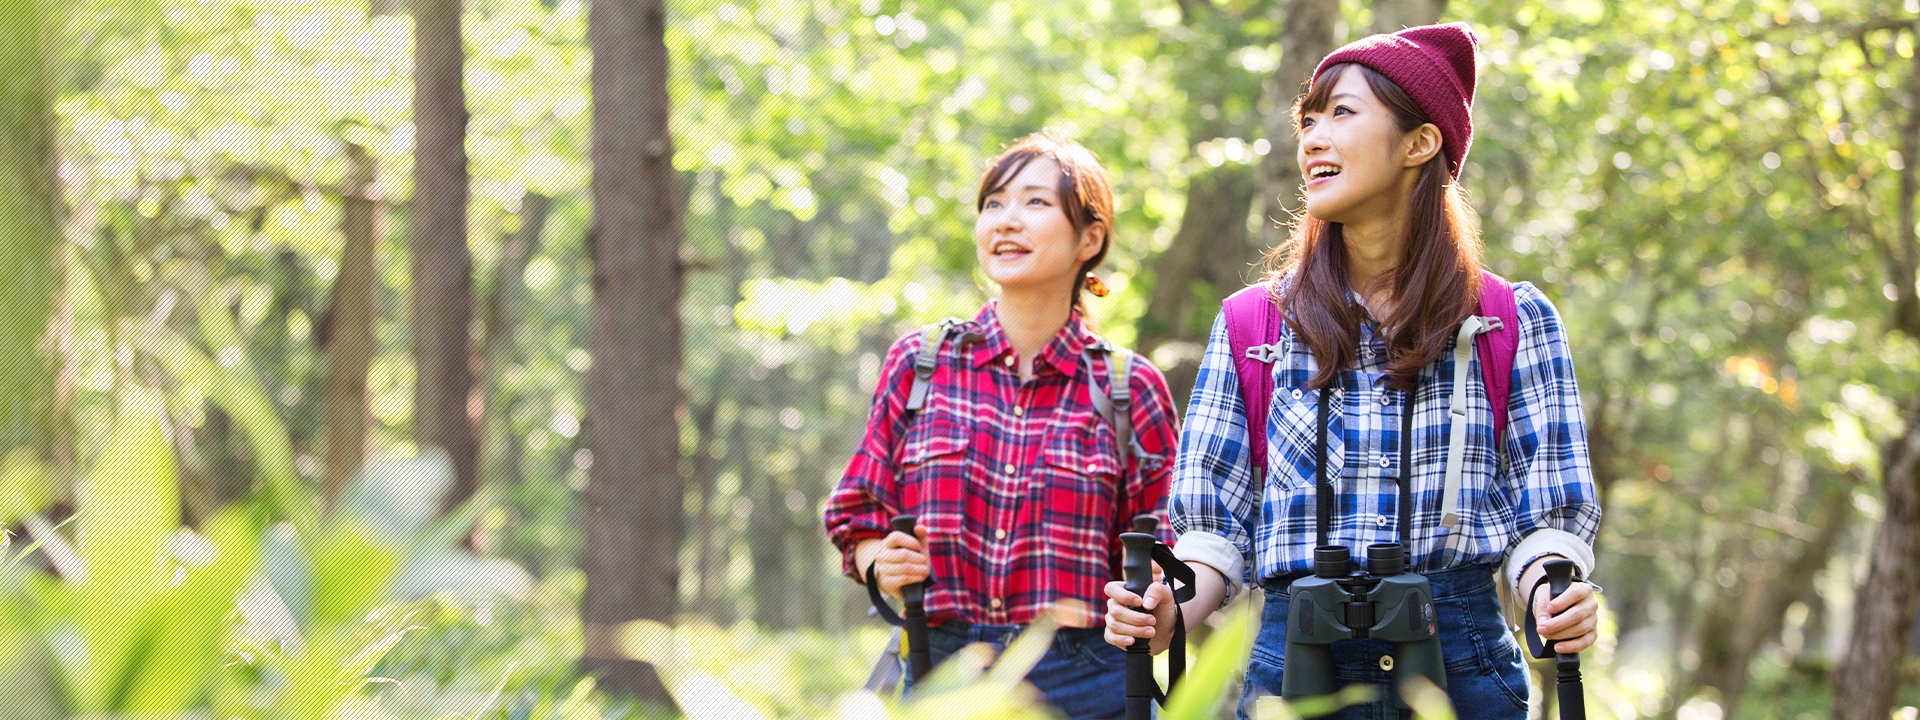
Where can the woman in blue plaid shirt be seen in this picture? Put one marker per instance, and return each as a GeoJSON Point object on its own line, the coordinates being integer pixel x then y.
{"type": "Point", "coordinates": [1376, 288]}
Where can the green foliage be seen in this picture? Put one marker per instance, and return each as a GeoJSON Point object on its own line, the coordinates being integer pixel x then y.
{"type": "Point", "coordinates": [1708, 191]}
{"type": "Point", "coordinates": [139, 615]}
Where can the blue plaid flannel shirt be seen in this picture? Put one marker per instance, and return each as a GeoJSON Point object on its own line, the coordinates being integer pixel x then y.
{"type": "Point", "coordinates": [1540, 479]}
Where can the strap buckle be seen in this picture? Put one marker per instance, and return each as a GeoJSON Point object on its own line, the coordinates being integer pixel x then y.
{"type": "Point", "coordinates": [1267, 353]}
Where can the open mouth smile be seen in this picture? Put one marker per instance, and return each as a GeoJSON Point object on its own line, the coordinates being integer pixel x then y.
{"type": "Point", "coordinates": [1007, 248]}
{"type": "Point", "coordinates": [1321, 171]}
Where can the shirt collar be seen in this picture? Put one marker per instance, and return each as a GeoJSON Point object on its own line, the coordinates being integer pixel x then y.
{"type": "Point", "coordinates": [1062, 353]}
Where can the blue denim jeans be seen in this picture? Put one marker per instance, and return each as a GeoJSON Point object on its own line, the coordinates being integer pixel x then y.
{"type": "Point", "coordinates": [1081, 676]}
{"type": "Point", "coordinates": [1486, 674]}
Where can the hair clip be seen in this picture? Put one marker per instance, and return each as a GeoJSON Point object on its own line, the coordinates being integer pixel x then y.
{"type": "Point", "coordinates": [1099, 289]}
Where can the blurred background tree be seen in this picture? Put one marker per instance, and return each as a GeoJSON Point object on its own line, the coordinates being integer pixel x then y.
{"type": "Point", "coordinates": [633, 266]}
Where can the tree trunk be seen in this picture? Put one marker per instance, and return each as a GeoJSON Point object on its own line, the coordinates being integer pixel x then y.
{"type": "Point", "coordinates": [1883, 613]}
{"type": "Point", "coordinates": [1904, 262]}
{"type": "Point", "coordinates": [350, 342]}
{"type": "Point", "coordinates": [499, 347]}
{"type": "Point", "coordinates": [1212, 246]}
{"type": "Point", "coordinates": [1393, 15]}
{"type": "Point", "coordinates": [633, 505]}
{"type": "Point", "coordinates": [442, 266]}
{"type": "Point", "coordinates": [1730, 640]}
{"type": "Point", "coordinates": [1305, 38]}
{"type": "Point", "coordinates": [767, 541]}
{"type": "Point", "coordinates": [31, 248]}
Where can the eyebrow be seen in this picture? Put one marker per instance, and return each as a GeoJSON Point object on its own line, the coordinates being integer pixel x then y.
{"type": "Point", "coordinates": [1339, 95]}
{"type": "Point", "coordinates": [1022, 187]}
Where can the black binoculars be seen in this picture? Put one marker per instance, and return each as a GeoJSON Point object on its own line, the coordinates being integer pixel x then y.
{"type": "Point", "coordinates": [1339, 602]}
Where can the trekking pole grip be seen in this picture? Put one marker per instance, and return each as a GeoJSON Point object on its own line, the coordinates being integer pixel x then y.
{"type": "Point", "coordinates": [1136, 567]}
{"type": "Point", "coordinates": [914, 627]}
{"type": "Point", "coordinates": [1573, 701]}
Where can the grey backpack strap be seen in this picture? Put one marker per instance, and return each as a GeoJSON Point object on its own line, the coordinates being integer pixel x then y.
{"type": "Point", "coordinates": [932, 337]}
{"type": "Point", "coordinates": [1116, 404]}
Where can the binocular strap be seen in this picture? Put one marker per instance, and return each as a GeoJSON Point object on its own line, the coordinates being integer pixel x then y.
{"type": "Point", "coordinates": [1324, 500]}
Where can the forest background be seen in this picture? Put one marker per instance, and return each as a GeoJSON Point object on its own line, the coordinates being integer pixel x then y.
{"type": "Point", "coordinates": [374, 360]}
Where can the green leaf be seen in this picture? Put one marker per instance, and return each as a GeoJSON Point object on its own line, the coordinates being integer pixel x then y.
{"type": "Point", "coordinates": [1210, 681]}
{"type": "Point", "coordinates": [362, 662]}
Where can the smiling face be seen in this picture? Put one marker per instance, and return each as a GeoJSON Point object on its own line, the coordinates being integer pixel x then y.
{"type": "Point", "coordinates": [1356, 158]}
{"type": "Point", "coordinates": [1023, 239]}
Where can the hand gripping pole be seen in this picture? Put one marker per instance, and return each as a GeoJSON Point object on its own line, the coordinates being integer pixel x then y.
{"type": "Point", "coordinates": [1572, 694]}
{"type": "Point", "coordinates": [1142, 550]}
{"type": "Point", "coordinates": [914, 626]}
{"type": "Point", "coordinates": [914, 623]}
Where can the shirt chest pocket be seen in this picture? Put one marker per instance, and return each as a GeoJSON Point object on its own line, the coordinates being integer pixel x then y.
{"type": "Point", "coordinates": [1080, 476]}
{"type": "Point", "coordinates": [1292, 440]}
{"type": "Point", "coordinates": [934, 466]}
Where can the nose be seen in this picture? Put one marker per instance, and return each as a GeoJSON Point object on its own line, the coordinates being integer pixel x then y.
{"type": "Point", "coordinates": [1009, 220]}
{"type": "Point", "coordinates": [1312, 140]}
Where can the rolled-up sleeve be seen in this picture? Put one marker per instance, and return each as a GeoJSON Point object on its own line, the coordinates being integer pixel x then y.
{"type": "Point", "coordinates": [1546, 445]}
{"type": "Point", "coordinates": [868, 493]}
{"type": "Point", "coordinates": [1214, 501]}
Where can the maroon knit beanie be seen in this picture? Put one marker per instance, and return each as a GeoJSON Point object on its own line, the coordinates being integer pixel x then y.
{"type": "Point", "coordinates": [1434, 64]}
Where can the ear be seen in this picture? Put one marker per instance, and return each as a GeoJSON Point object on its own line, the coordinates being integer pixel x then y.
{"type": "Point", "coordinates": [1091, 240]}
{"type": "Point", "coordinates": [1421, 145]}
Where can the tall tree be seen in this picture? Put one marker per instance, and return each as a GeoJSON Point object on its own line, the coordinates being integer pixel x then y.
{"type": "Point", "coordinates": [1306, 36]}
{"type": "Point", "coordinates": [31, 248]}
{"type": "Point", "coordinates": [500, 347]}
{"type": "Point", "coordinates": [633, 509]}
{"type": "Point", "coordinates": [348, 330]}
{"type": "Point", "coordinates": [442, 265]}
{"type": "Point", "coordinates": [1392, 15]}
{"type": "Point", "coordinates": [1210, 254]}
{"type": "Point", "coordinates": [1883, 615]}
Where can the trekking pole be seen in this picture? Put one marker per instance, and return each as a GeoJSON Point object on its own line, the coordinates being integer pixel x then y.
{"type": "Point", "coordinates": [1573, 696]}
{"type": "Point", "coordinates": [914, 627]}
{"type": "Point", "coordinates": [1137, 566]}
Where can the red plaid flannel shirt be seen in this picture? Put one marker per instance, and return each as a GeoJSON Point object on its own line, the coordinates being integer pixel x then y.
{"type": "Point", "coordinates": [1022, 488]}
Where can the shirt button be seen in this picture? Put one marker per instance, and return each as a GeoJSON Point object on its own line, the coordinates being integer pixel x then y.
{"type": "Point", "coordinates": [1380, 520]}
{"type": "Point", "coordinates": [1018, 411]}
{"type": "Point", "coordinates": [1386, 663]}
{"type": "Point", "coordinates": [1386, 398]}
{"type": "Point", "coordinates": [1296, 393]}
{"type": "Point", "coordinates": [996, 603]}
{"type": "Point", "coordinates": [1009, 468]}
{"type": "Point", "coordinates": [1384, 461]}
{"type": "Point", "coordinates": [1000, 534]}
{"type": "Point", "coordinates": [1093, 467]}
{"type": "Point", "coordinates": [1009, 361]}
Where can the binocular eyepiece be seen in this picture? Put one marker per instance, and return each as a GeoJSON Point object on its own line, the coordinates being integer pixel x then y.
{"type": "Point", "coordinates": [1339, 603]}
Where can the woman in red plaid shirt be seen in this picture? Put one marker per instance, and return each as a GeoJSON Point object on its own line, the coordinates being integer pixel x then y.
{"type": "Point", "coordinates": [1021, 482]}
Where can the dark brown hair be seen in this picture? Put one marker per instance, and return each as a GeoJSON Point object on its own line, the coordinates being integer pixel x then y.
{"type": "Point", "coordinates": [1435, 284]}
{"type": "Point", "coordinates": [1085, 195]}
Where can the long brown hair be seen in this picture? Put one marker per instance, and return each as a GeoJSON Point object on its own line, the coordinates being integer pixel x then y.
{"type": "Point", "coordinates": [1085, 194]}
{"type": "Point", "coordinates": [1435, 284]}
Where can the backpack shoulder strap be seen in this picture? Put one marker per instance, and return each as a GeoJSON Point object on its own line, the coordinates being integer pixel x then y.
{"type": "Point", "coordinates": [932, 338]}
{"type": "Point", "coordinates": [1253, 336]}
{"type": "Point", "coordinates": [1494, 333]}
{"type": "Point", "coordinates": [1498, 347]}
{"type": "Point", "coordinates": [1116, 404]}
{"type": "Point", "coordinates": [1120, 392]}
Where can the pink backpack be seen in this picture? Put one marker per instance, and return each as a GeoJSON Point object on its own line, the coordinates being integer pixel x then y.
{"type": "Point", "coordinates": [1253, 327]}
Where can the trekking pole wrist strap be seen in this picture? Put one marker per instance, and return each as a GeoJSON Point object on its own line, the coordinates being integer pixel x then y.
{"type": "Point", "coordinates": [1539, 647]}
